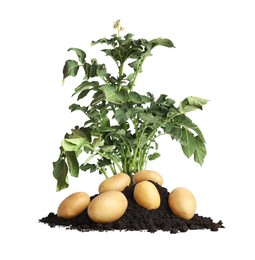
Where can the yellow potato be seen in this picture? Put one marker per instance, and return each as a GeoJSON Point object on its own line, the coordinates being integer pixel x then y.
{"type": "Point", "coordinates": [117, 182]}
{"type": "Point", "coordinates": [107, 207]}
{"type": "Point", "coordinates": [147, 175]}
{"type": "Point", "coordinates": [182, 203]}
{"type": "Point", "coordinates": [147, 195]}
{"type": "Point", "coordinates": [73, 205]}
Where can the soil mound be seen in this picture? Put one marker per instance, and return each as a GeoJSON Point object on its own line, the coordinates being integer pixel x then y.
{"type": "Point", "coordinates": [137, 218]}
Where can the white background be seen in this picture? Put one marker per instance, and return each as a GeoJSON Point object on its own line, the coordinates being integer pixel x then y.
{"type": "Point", "coordinates": [214, 59]}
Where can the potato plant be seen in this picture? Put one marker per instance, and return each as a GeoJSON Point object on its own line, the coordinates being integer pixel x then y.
{"type": "Point", "coordinates": [121, 125]}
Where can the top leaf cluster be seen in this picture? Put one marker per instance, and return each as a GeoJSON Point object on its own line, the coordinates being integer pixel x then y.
{"type": "Point", "coordinates": [121, 126]}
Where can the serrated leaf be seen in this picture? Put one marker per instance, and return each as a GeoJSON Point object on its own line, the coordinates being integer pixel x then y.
{"type": "Point", "coordinates": [60, 171]}
{"type": "Point", "coordinates": [188, 142]}
{"type": "Point", "coordinates": [80, 53]}
{"type": "Point", "coordinates": [71, 68]}
{"type": "Point", "coordinates": [72, 163]}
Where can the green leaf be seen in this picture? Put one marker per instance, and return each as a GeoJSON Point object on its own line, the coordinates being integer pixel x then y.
{"type": "Point", "coordinates": [90, 69]}
{"type": "Point", "coordinates": [121, 116]}
{"type": "Point", "coordinates": [72, 163]}
{"type": "Point", "coordinates": [200, 151]}
{"type": "Point", "coordinates": [83, 94]}
{"type": "Point", "coordinates": [73, 144]}
{"type": "Point", "coordinates": [104, 162]}
{"type": "Point", "coordinates": [184, 121]}
{"type": "Point", "coordinates": [192, 103]}
{"type": "Point", "coordinates": [161, 42]}
{"type": "Point", "coordinates": [121, 132]}
{"type": "Point", "coordinates": [154, 156]}
{"type": "Point", "coordinates": [101, 71]}
{"type": "Point", "coordinates": [150, 119]}
{"type": "Point", "coordinates": [113, 96]}
{"type": "Point", "coordinates": [136, 65]}
{"type": "Point", "coordinates": [170, 101]}
{"type": "Point", "coordinates": [60, 171]}
{"type": "Point", "coordinates": [131, 77]}
{"type": "Point", "coordinates": [105, 122]}
{"type": "Point", "coordinates": [174, 131]}
{"type": "Point", "coordinates": [97, 143]}
{"type": "Point", "coordinates": [86, 85]}
{"type": "Point", "coordinates": [188, 142]}
{"type": "Point", "coordinates": [88, 166]}
{"type": "Point", "coordinates": [71, 68]}
{"type": "Point", "coordinates": [83, 132]}
{"type": "Point", "coordinates": [135, 97]}
{"type": "Point", "coordinates": [80, 53]}
{"type": "Point", "coordinates": [75, 107]}
{"type": "Point", "coordinates": [97, 98]}
{"type": "Point", "coordinates": [108, 148]}
{"type": "Point", "coordinates": [196, 101]}
{"type": "Point", "coordinates": [161, 99]}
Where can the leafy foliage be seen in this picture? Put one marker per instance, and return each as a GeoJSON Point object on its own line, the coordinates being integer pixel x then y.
{"type": "Point", "coordinates": [122, 126]}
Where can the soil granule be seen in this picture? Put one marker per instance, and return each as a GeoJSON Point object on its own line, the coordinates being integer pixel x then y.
{"type": "Point", "coordinates": [137, 218]}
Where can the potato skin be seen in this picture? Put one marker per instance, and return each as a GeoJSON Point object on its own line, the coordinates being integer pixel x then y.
{"type": "Point", "coordinates": [117, 182]}
{"type": "Point", "coordinates": [107, 207]}
{"type": "Point", "coordinates": [147, 195]}
{"type": "Point", "coordinates": [73, 205]}
{"type": "Point", "coordinates": [148, 175]}
{"type": "Point", "coordinates": [182, 203]}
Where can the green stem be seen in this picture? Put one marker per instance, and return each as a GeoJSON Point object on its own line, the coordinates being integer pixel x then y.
{"type": "Point", "coordinates": [104, 172]}
{"type": "Point", "coordinates": [143, 160]}
{"type": "Point", "coordinates": [113, 169]}
{"type": "Point", "coordinates": [145, 156]}
{"type": "Point", "coordinates": [136, 74]}
{"type": "Point", "coordinates": [120, 74]}
{"type": "Point", "coordinates": [137, 147]}
{"type": "Point", "coordinates": [121, 69]}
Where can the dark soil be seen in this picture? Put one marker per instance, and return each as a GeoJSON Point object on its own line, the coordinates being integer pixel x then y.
{"type": "Point", "coordinates": [138, 218]}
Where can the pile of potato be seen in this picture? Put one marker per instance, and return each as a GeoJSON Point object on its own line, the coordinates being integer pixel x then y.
{"type": "Point", "coordinates": [111, 203]}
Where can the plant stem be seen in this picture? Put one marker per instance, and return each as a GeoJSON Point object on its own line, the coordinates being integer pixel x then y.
{"type": "Point", "coordinates": [136, 74]}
